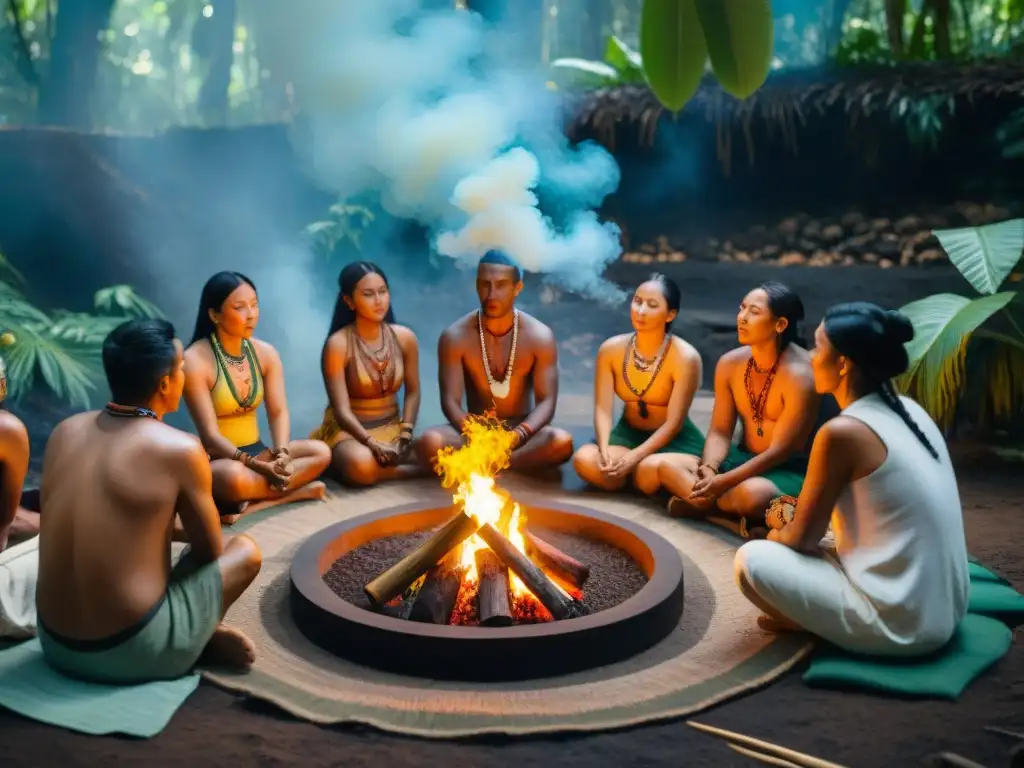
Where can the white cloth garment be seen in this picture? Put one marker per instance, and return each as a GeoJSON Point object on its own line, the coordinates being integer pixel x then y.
{"type": "Point", "coordinates": [898, 584]}
{"type": "Point", "coordinates": [19, 573]}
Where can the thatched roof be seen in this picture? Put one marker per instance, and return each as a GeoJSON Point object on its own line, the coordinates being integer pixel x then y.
{"type": "Point", "coordinates": [790, 96]}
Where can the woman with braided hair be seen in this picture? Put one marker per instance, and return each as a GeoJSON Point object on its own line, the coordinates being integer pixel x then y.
{"type": "Point", "coordinates": [897, 582]}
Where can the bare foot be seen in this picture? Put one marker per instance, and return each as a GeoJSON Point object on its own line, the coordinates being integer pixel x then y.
{"type": "Point", "coordinates": [771, 624]}
{"type": "Point", "coordinates": [229, 647]}
{"type": "Point", "coordinates": [679, 507]}
{"type": "Point", "coordinates": [315, 491]}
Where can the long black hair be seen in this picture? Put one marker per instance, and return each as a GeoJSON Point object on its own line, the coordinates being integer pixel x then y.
{"type": "Point", "coordinates": [215, 293]}
{"type": "Point", "coordinates": [873, 339]}
{"type": "Point", "coordinates": [349, 278]}
{"type": "Point", "coordinates": [783, 301]}
{"type": "Point", "coordinates": [669, 291]}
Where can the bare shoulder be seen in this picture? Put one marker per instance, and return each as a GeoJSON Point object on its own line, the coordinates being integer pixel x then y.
{"type": "Point", "coordinates": [12, 430]}
{"type": "Point", "coordinates": [614, 344]}
{"type": "Point", "coordinates": [795, 368]}
{"type": "Point", "coordinates": [265, 352]}
{"type": "Point", "coordinates": [684, 351]}
{"type": "Point", "coordinates": [183, 451]}
{"type": "Point", "coordinates": [534, 330]}
{"type": "Point", "coordinates": [459, 332]}
{"type": "Point", "coordinates": [405, 335]}
{"type": "Point", "coordinates": [199, 358]}
{"type": "Point", "coordinates": [732, 360]}
{"type": "Point", "coordinates": [842, 433]}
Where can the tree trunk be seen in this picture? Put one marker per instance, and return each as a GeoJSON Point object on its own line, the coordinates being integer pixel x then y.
{"type": "Point", "coordinates": [67, 94]}
{"type": "Point", "coordinates": [940, 26]}
{"type": "Point", "coordinates": [214, 40]}
{"type": "Point", "coordinates": [895, 11]}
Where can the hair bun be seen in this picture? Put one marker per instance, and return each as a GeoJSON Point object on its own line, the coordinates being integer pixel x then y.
{"type": "Point", "coordinates": [899, 326]}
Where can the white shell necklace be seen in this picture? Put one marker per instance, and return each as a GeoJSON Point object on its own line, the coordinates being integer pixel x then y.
{"type": "Point", "coordinates": [499, 388]}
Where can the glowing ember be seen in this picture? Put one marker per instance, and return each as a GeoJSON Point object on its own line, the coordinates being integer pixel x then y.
{"type": "Point", "coordinates": [471, 470]}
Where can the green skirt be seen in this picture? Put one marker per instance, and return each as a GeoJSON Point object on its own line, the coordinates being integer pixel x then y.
{"type": "Point", "coordinates": [688, 440]}
{"type": "Point", "coordinates": [788, 477]}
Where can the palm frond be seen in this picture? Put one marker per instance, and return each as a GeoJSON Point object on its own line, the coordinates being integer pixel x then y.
{"type": "Point", "coordinates": [123, 299]}
{"type": "Point", "coordinates": [6, 268]}
{"type": "Point", "coordinates": [68, 375]}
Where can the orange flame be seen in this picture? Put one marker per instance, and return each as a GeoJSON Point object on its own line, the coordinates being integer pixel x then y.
{"type": "Point", "coordinates": [471, 470]}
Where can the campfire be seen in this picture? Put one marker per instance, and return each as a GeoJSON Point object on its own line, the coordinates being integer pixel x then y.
{"type": "Point", "coordinates": [482, 567]}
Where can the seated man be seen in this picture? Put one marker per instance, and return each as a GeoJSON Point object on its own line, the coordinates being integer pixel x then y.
{"type": "Point", "coordinates": [111, 608]}
{"type": "Point", "coordinates": [500, 359]}
{"type": "Point", "coordinates": [767, 383]}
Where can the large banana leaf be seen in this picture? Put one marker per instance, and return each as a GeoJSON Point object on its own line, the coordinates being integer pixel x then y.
{"type": "Point", "coordinates": [740, 36]}
{"type": "Point", "coordinates": [985, 255]}
{"type": "Point", "coordinates": [943, 326]}
{"type": "Point", "coordinates": [673, 50]}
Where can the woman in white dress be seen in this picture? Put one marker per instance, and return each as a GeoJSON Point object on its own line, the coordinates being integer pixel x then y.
{"type": "Point", "coordinates": [897, 583]}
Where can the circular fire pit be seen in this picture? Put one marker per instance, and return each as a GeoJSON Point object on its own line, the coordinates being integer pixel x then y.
{"type": "Point", "coordinates": [519, 652]}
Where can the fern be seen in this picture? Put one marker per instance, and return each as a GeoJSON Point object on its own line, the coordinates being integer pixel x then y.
{"type": "Point", "coordinates": [61, 348]}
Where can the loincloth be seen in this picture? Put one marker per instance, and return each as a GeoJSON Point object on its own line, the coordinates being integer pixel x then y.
{"type": "Point", "coordinates": [385, 430]}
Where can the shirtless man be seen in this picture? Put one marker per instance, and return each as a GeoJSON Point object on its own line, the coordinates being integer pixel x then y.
{"type": "Point", "coordinates": [500, 358]}
{"type": "Point", "coordinates": [767, 384]}
{"type": "Point", "coordinates": [111, 608]}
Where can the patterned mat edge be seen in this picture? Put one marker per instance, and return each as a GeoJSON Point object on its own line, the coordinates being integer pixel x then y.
{"type": "Point", "coordinates": [778, 658]}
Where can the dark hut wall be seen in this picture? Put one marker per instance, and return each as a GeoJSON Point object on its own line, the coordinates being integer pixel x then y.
{"type": "Point", "coordinates": [820, 143]}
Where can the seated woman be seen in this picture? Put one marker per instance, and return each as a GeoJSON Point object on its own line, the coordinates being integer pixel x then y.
{"type": "Point", "coordinates": [228, 374]}
{"type": "Point", "coordinates": [655, 374]}
{"type": "Point", "coordinates": [880, 471]}
{"type": "Point", "coordinates": [366, 360]}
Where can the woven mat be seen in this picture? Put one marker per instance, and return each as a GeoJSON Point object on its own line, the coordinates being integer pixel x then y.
{"type": "Point", "coordinates": [715, 653]}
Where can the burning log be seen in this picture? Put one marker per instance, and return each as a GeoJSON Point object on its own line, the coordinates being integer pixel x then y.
{"type": "Point", "coordinates": [403, 573]}
{"type": "Point", "coordinates": [402, 609]}
{"type": "Point", "coordinates": [559, 605]}
{"type": "Point", "coordinates": [494, 605]}
{"type": "Point", "coordinates": [436, 600]}
{"type": "Point", "coordinates": [555, 561]}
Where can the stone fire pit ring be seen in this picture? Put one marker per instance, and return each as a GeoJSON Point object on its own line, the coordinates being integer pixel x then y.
{"type": "Point", "coordinates": [487, 654]}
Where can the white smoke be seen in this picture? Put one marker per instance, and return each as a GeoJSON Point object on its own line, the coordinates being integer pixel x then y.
{"type": "Point", "coordinates": [433, 122]}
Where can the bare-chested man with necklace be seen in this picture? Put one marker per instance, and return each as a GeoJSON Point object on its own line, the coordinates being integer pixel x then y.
{"type": "Point", "coordinates": [501, 360]}
{"type": "Point", "coordinates": [767, 385]}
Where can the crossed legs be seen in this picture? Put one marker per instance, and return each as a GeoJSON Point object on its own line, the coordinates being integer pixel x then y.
{"type": "Point", "coordinates": [646, 475]}
{"type": "Point", "coordinates": [678, 474]}
{"type": "Point", "coordinates": [235, 485]}
{"type": "Point", "coordinates": [355, 464]}
{"type": "Point", "coordinates": [549, 448]}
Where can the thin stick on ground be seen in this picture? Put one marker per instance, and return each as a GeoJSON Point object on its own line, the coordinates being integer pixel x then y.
{"type": "Point", "coordinates": [763, 758]}
{"type": "Point", "coordinates": [1005, 732]}
{"type": "Point", "coordinates": [797, 758]}
{"type": "Point", "coordinates": [951, 759]}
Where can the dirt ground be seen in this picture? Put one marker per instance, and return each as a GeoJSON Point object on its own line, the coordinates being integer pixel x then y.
{"type": "Point", "coordinates": [217, 728]}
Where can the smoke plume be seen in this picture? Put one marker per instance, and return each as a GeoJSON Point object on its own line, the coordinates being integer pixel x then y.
{"type": "Point", "coordinates": [456, 138]}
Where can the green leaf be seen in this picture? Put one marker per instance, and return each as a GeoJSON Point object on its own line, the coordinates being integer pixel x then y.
{"type": "Point", "coordinates": [627, 63]}
{"type": "Point", "coordinates": [740, 36]}
{"type": "Point", "coordinates": [592, 73]}
{"type": "Point", "coordinates": [984, 255]}
{"type": "Point", "coordinates": [943, 325]}
{"type": "Point", "coordinates": [673, 50]}
{"type": "Point", "coordinates": [124, 299]}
